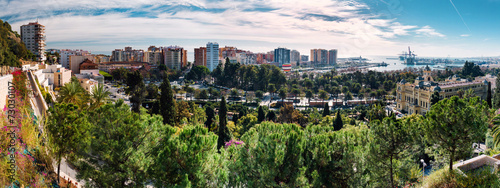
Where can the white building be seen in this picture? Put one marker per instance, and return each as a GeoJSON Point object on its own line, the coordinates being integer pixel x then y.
{"type": "Point", "coordinates": [33, 36]}
{"type": "Point", "coordinates": [66, 54]}
{"type": "Point", "coordinates": [212, 55]}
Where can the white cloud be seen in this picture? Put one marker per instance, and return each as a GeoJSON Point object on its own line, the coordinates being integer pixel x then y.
{"type": "Point", "coordinates": [294, 24]}
{"type": "Point", "coordinates": [428, 31]}
{"type": "Point", "coordinates": [465, 35]}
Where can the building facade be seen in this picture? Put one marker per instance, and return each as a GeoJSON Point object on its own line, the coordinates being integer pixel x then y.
{"type": "Point", "coordinates": [175, 57]}
{"type": "Point", "coordinates": [33, 36]}
{"type": "Point", "coordinates": [76, 60]}
{"type": "Point", "coordinates": [323, 57]}
{"type": "Point", "coordinates": [414, 98]}
{"type": "Point", "coordinates": [281, 56]}
{"type": "Point", "coordinates": [294, 57]}
{"type": "Point", "coordinates": [212, 56]}
{"type": "Point", "coordinates": [66, 54]}
{"type": "Point", "coordinates": [332, 57]}
{"type": "Point", "coordinates": [200, 56]}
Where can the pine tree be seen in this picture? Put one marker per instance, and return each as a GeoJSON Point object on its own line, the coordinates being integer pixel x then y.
{"type": "Point", "coordinates": [338, 124]}
{"type": "Point", "coordinates": [223, 132]}
{"type": "Point", "coordinates": [261, 114]}
{"type": "Point", "coordinates": [167, 103]}
{"type": "Point", "coordinates": [326, 110]}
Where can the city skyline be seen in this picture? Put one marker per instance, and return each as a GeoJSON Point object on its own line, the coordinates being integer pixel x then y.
{"type": "Point", "coordinates": [432, 29]}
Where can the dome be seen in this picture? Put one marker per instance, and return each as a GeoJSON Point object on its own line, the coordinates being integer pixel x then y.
{"type": "Point", "coordinates": [403, 81]}
{"type": "Point", "coordinates": [427, 68]}
{"type": "Point", "coordinates": [437, 88]}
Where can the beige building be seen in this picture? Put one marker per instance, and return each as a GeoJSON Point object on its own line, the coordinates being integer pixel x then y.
{"type": "Point", "coordinates": [33, 36]}
{"type": "Point", "coordinates": [61, 76]}
{"type": "Point", "coordinates": [88, 84]}
{"type": "Point", "coordinates": [76, 60]}
{"type": "Point", "coordinates": [414, 98]}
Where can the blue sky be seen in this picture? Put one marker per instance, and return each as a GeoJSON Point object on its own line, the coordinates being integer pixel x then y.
{"type": "Point", "coordinates": [433, 28]}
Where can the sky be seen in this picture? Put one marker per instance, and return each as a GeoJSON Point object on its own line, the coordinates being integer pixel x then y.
{"type": "Point", "coordinates": [433, 28]}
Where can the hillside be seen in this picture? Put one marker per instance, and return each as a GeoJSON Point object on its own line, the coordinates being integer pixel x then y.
{"type": "Point", "coordinates": [11, 47]}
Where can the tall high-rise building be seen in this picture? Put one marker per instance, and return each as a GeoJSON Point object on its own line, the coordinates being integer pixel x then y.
{"type": "Point", "coordinates": [323, 57]}
{"type": "Point", "coordinates": [200, 56]}
{"type": "Point", "coordinates": [332, 57]}
{"type": "Point", "coordinates": [295, 56]}
{"type": "Point", "coordinates": [175, 57]}
{"type": "Point", "coordinates": [153, 55]}
{"type": "Point", "coordinates": [212, 55]}
{"type": "Point", "coordinates": [281, 56]}
{"type": "Point", "coordinates": [33, 36]}
{"type": "Point", "coordinates": [117, 55]}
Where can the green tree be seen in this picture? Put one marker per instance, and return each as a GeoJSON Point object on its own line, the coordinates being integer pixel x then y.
{"type": "Point", "coordinates": [309, 95]}
{"type": "Point", "coordinates": [198, 72]}
{"type": "Point", "coordinates": [122, 143]}
{"type": "Point", "coordinates": [270, 157]}
{"type": "Point", "coordinates": [348, 96]}
{"type": "Point", "coordinates": [323, 95]}
{"type": "Point", "coordinates": [496, 97]}
{"type": "Point", "coordinates": [326, 110]}
{"type": "Point", "coordinates": [338, 124]}
{"type": "Point", "coordinates": [391, 139]}
{"type": "Point", "coordinates": [282, 95]}
{"type": "Point", "coordinates": [188, 157]}
{"type": "Point", "coordinates": [99, 96]}
{"type": "Point", "coordinates": [223, 132]}
{"type": "Point", "coordinates": [435, 98]}
{"type": "Point", "coordinates": [454, 124]}
{"type": "Point", "coordinates": [152, 90]}
{"type": "Point", "coordinates": [261, 114]}
{"type": "Point", "coordinates": [210, 113]}
{"type": "Point", "coordinates": [73, 92]}
{"type": "Point", "coordinates": [259, 94]}
{"type": "Point", "coordinates": [167, 103]}
{"type": "Point", "coordinates": [136, 89]}
{"type": "Point", "coordinates": [271, 88]}
{"type": "Point", "coordinates": [295, 92]}
{"type": "Point", "coordinates": [488, 97]}
{"type": "Point", "coordinates": [68, 131]}
{"type": "Point", "coordinates": [335, 159]}
{"type": "Point", "coordinates": [203, 94]}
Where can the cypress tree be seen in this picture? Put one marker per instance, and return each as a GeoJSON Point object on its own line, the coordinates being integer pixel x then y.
{"type": "Point", "coordinates": [261, 115]}
{"type": "Point", "coordinates": [326, 110]}
{"type": "Point", "coordinates": [271, 116]}
{"type": "Point", "coordinates": [338, 124]}
{"type": "Point", "coordinates": [488, 98]}
{"type": "Point", "coordinates": [223, 132]}
{"type": "Point", "coordinates": [209, 111]}
{"type": "Point", "coordinates": [167, 103]}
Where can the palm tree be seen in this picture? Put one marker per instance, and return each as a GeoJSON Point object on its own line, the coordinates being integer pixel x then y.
{"type": "Point", "coordinates": [99, 96]}
{"type": "Point", "coordinates": [74, 93]}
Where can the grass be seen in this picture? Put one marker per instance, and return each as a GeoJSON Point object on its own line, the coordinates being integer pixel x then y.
{"type": "Point", "coordinates": [105, 74]}
{"type": "Point", "coordinates": [481, 177]}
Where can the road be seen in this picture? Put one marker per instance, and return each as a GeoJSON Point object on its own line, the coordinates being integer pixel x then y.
{"type": "Point", "coordinates": [115, 94]}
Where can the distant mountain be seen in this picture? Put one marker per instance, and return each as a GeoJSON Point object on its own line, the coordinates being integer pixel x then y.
{"type": "Point", "coordinates": [11, 47]}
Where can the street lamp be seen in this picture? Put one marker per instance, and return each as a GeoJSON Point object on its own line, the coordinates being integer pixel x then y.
{"type": "Point", "coordinates": [423, 168]}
